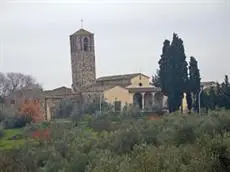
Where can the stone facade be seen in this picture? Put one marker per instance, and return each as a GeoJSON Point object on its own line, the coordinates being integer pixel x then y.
{"type": "Point", "coordinates": [18, 97]}
{"type": "Point", "coordinates": [14, 101]}
{"type": "Point", "coordinates": [82, 59]}
{"type": "Point", "coordinates": [91, 97]}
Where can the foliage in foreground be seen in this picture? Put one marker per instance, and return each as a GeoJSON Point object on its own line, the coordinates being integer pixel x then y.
{"type": "Point", "coordinates": [172, 144]}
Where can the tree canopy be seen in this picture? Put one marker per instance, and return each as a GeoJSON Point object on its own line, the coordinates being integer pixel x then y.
{"type": "Point", "coordinates": [156, 79]}
{"type": "Point", "coordinates": [217, 96]}
{"type": "Point", "coordinates": [31, 110]}
{"type": "Point", "coordinates": [173, 72]}
{"type": "Point", "coordinates": [11, 82]}
{"type": "Point", "coordinates": [194, 82]}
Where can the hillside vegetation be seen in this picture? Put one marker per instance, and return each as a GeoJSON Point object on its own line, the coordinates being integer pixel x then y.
{"type": "Point", "coordinates": [124, 143]}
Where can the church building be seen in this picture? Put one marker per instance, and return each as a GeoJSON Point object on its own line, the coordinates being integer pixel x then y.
{"type": "Point", "coordinates": [125, 89]}
{"type": "Point", "coordinates": [128, 89]}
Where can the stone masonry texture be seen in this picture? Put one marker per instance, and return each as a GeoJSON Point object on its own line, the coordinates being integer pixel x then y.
{"type": "Point", "coordinates": [82, 59]}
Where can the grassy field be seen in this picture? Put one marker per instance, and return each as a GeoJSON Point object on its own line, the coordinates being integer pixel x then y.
{"type": "Point", "coordinates": [6, 142]}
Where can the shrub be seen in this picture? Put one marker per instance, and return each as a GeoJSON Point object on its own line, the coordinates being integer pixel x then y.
{"type": "Point", "coordinates": [14, 122]}
{"type": "Point", "coordinates": [76, 114]}
{"type": "Point", "coordinates": [93, 108]}
{"type": "Point", "coordinates": [100, 125]}
{"type": "Point", "coordinates": [2, 116]}
{"type": "Point", "coordinates": [40, 135]}
{"type": "Point", "coordinates": [31, 110]}
{"type": "Point", "coordinates": [176, 143]}
{"type": "Point", "coordinates": [64, 108]}
{"type": "Point", "coordinates": [1, 133]}
{"type": "Point", "coordinates": [123, 141]}
{"type": "Point", "coordinates": [130, 111]}
{"type": "Point", "coordinates": [5, 113]}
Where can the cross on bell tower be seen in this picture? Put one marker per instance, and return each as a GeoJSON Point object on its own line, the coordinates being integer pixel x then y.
{"type": "Point", "coordinates": [81, 23]}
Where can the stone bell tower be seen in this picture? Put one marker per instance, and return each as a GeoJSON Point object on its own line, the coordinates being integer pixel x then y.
{"type": "Point", "coordinates": [82, 59]}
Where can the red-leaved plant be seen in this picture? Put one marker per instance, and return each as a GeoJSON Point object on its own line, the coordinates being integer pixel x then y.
{"type": "Point", "coordinates": [31, 110]}
{"type": "Point", "coordinates": [41, 135]}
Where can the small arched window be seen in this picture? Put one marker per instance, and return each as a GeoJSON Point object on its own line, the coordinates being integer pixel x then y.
{"type": "Point", "coordinates": [86, 44]}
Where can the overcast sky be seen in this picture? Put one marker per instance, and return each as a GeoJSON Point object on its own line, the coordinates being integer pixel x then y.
{"type": "Point", "coordinates": [34, 36]}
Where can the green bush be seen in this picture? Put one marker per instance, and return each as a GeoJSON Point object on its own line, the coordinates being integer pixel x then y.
{"type": "Point", "coordinates": [15, 122]}
{"type": "Point", "coordinates": [1, 133]}
{"type": "Point", "coordinates": [125, 143]}
{"type": "Point", "coordinates": [64, 108]}
{"type": "Point", "coordinates": [93, 108]}
{"type": "Point", "coordinates": [2, 116]}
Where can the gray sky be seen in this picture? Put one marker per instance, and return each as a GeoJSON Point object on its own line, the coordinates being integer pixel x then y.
{"type": "Point", "coordinates": [34, 35]}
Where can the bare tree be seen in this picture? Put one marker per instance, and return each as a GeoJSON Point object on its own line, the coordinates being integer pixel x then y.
{"type": "Point", "coordinates": [4, 84]}
{"type": "Point", "coordinates": [11, 82]}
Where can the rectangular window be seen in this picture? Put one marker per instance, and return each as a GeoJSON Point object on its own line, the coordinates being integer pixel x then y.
{"type": "Point", "coordinates": [12, 102]}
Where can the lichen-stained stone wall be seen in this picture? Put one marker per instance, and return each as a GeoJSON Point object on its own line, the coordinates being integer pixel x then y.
{"type": "Point", "coordinates": [82, 59]}
{"type": "Point", "coordinates": [92, 97]}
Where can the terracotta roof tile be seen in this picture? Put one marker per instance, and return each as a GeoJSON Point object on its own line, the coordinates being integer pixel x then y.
{"type": "Point", "coordinates": [119, 77]}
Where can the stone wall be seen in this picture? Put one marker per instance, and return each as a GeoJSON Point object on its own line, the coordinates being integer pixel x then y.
{"type": "Point", "coordinates": [92, 97]}
{"type": "Point", "coordinates": [81, 98]}
{"type": "Point", "coordinates": [16, 99]}
{"type": "Point", "coordinates": [83, 69]}
{"type": "Point", "coordinates": [121, 82]}
{"type": "Point", "coordinates": [53, 101]}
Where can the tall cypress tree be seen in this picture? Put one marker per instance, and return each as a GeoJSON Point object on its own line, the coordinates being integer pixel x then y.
{"type": "Point", "coordinates": [178, 71]}
{"type": "Point", "coordinates": [156, 79]}
{"type": "Point", "coordinates": [194, 81]}
{"type": "Point", "coordinates": [189, 100]}
{"type": "Point", "coordinates": [212, 98]}
{"type": "Point", "coordinates": [226, 92]}
{"type": "Point", "coordinates": [219, 96]}
{"type": "Point", "coordinates": [164, 69]}
{"type": "Point", "coordinates": [173, 72]}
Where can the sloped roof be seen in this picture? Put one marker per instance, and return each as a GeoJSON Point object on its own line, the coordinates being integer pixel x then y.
{"type": "Point", "coordinates": [59, 90]}
{"type": "Point", "coordinates": [82, 32]}
{"type": "Point", "coordinates": [26, 91]}
{"type": "Point", "coordinates": [119, 77]}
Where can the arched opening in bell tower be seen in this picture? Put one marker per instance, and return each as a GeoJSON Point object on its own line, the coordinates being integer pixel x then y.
{"type": "Point", "coordinates": [86, 44]}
